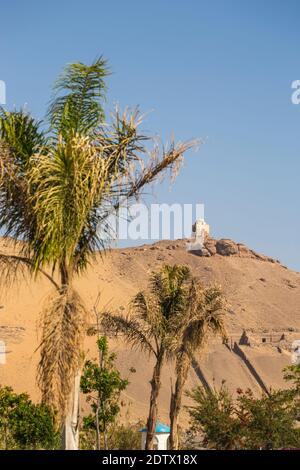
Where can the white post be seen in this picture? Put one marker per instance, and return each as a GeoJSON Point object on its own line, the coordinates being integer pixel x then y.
{"type": "Point", "coordinates": [2, 353]}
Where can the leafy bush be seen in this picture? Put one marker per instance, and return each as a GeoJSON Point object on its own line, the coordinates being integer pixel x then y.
{"type": "Point", "coordinates": [126, 437]}
{"type": "Point", "coordinates": [120, 437]}
{"type": "Point", "coordinates": [269, 422]}
{"type": "Point", "coordinates": [25, 425]}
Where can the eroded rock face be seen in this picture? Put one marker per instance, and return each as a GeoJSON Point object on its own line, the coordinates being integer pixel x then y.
{"type": "Point", "coordinates": [244, 250]}
{"type": "Point", "coordinates": [226, 247]}
{"type": "Point", "coordinates": [205, 252]}
{"type": "Point", "coordinates": [210, 245]}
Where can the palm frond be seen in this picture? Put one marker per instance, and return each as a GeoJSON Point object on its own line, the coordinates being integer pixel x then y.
{"type": "Point", "coordinates": [77, 103]}
{"type": "Point", "coordinates": [132, 330]}
{"type": "Point", "coordinates": [159, 161]}
{"type": "Point", "coordinates": [88, 179]}
{"type": "Point", "coordinates": [161, 310]}
{"type": "Point", "coordinates": [69, 186]}
{"type": "Point", "coordinates": [146, 309]}
{"type": "Point", "coordinates": [131, 165]}
{"type": "Point", "coordinates": [14, 268]}
{"type": "Point", "coordinates": [16, 218]}
{"type": "Point", "coordinates": [207, 307]}
{"type": "Point", "coordinates": [22, 135]}
{"type": "Point", "coordinates": [64, 320]}
{"type": "Point", "coordinates": [169, 286]}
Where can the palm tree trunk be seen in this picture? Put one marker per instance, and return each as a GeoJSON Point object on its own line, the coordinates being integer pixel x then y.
{"type": "Point", "coordinates": [155, 387]}
{"type": "Point", "coordinates": [70, 436]}
{"type": "Point", "coordinates": [182, 368]}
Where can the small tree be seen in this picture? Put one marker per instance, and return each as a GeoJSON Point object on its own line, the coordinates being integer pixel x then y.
{"type": "Point", "coordinates": [25, 425]}
{"type": "Point", "coordinates": [213, 417]}
{"type": "Point", "coordinates": [269, 422]}
{"type": "Point", "coordinates": [102, 384]}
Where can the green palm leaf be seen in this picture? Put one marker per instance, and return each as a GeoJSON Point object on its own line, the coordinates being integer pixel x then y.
{"type": "Point", "coordinates": [77, 102]}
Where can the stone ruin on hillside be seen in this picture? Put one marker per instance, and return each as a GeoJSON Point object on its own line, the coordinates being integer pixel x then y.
{"type": "Point", "coordinates": [248, 339]}
{"type": "Point", "coordinates": [257, 339]}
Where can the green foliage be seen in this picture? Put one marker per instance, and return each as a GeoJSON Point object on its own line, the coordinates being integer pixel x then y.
{"type": "Point", "coordinates": [25, 425]}
{"type": "Point", "coordinates": [267, 423]}
{"type": "Point", "coordinates": [21, 133]}
{"type": "Point", "coordinates": [120, 437]}
{"type": "Point", "coordinates": [79, 93]}
{"type": "Point", "coordinates": [102, 384]}
{"type": "Point", "coordinates": [292, 374]}
{"type": "Point", "coordinates": [20, 138]}
{"type": "Point", "coordinates": [213, 415]}
{"type": "Point", "coordinates": [125, 437]}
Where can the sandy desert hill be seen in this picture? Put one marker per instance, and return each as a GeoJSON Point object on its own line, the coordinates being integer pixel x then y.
{"type": "Point", "coordinates": [264, 299]}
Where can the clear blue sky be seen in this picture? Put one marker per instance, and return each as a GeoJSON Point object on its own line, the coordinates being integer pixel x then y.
{"type": "Point", "coordinates": [218, 69]}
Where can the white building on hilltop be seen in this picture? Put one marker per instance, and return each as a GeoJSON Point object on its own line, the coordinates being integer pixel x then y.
{"type": "Point", "coordinates": [200, 231]}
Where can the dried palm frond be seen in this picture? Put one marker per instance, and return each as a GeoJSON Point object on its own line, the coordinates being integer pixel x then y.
{"type": "Point", "coordinates": [63, 322]}
{"type": "Point", "coordinates": [170, 158]}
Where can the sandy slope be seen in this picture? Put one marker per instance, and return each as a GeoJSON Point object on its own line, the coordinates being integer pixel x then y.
{"type": "Point", "coordinates": [263, 295]}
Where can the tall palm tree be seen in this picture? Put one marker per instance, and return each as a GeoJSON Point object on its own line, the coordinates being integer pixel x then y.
{"type": "Point", "coordinates": [204, 317]}
{"type": "Point", "coordinates": [58, 188]}
{"type": "Point", "coordinates": [153, 327]}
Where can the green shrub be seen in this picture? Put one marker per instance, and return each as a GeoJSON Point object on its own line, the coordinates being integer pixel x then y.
{"type": "Point", "coordinates": [269, 422]}
{"type": "Point", "coordinates": [25, 425]}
